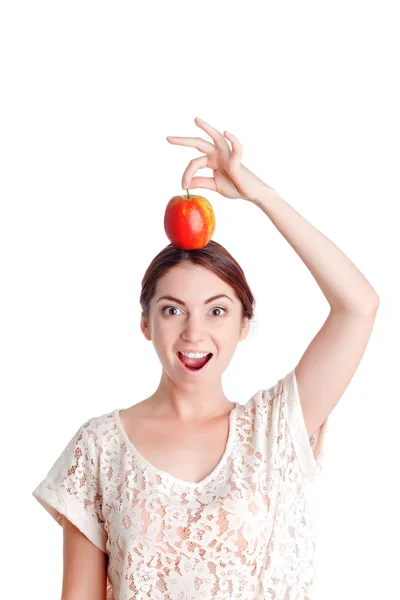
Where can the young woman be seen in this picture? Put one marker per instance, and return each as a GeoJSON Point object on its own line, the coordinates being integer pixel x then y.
{"type": "Point", "coordinates": [186, 495]}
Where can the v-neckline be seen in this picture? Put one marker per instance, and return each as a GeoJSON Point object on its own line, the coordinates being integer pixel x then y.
{"type": "Point", "coordinates": [165, 474]}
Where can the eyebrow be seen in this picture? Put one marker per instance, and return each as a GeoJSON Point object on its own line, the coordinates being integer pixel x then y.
{"type": "Point", "coordinates": [183, 304]}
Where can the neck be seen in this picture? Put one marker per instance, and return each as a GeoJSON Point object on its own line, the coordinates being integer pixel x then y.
{"type": "Point", "coordinates": [194, 404]}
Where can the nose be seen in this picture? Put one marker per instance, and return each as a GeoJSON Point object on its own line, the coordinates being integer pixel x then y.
{"type": "Point", "coordinates": [194, 330]}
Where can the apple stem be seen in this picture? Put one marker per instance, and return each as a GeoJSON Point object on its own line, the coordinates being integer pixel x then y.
{"type": "Point", "coordinates": [188, 194]}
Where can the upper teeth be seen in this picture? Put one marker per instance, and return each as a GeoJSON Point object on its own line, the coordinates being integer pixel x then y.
{"type": "Point", "coordinates": [194, 354]}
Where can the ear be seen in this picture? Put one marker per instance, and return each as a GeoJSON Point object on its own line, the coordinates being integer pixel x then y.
{"type": "Point", "coordinates": [144, 326]}
{"type": "Point", "coordinates": [245, 329]}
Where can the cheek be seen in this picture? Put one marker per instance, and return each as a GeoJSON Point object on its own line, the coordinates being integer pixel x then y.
{"type": "Point", "coordinates": [165, 336]}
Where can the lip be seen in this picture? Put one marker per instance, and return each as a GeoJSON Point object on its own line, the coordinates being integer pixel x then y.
{"type": "Point", "coordinates": [191, 373]}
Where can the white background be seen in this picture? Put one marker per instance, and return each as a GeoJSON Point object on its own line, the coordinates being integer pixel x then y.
{"type": "Point", "coordinates": [90, 90]}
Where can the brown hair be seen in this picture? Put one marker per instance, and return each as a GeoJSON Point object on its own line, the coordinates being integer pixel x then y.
{"type": "Point", "coordinates": [214, 257]}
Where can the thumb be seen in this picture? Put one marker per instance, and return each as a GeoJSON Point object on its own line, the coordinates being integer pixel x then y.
{"type": "Point", "coordinates": [201, 182]}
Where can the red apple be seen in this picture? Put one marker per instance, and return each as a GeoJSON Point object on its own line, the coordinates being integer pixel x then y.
{"type": "Point", "coordinates": [189, 221]}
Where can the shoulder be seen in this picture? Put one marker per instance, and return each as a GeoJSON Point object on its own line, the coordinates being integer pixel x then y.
{"type": "Point", "coordinates": [96, 430]}
{"type": "Point", "coordinates": [265, 398]}
{"type": "Point", "coordinates": [264, 412]}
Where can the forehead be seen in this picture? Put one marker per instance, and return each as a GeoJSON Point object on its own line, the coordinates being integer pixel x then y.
{"type": "Point", "coordinates": [184, 280]}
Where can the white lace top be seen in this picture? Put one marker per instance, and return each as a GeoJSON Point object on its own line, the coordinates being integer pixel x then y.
{"type": "Point", "coordinates": [243, 532]}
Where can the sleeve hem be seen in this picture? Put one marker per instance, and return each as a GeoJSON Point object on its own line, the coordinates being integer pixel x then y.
{"type": "Point", "coordinates": [63, 504]}
{"type": "Point", "coordinates": [309, 465]}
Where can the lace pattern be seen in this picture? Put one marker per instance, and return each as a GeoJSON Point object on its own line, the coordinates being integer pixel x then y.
{"type": "Point", "coordinates": [246, 532]}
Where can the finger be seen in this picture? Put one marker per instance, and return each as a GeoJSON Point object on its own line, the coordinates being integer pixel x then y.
{"type": "Point", "coordinates": [207, 183]}
{"type": "Point", "coordinates": [218, 138]}
{"type": "Point", "coordinates": [191, 169]}
{"type": "Point", "coordinates": [237, 148]}
{"type": "Point", "coordinates": [193, 142]}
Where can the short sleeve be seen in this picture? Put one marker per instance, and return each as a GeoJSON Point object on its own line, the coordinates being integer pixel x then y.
{"type": "Point", "coordinates": [309, 452]}
{"type": "Point", "coordinates": [72, 488]}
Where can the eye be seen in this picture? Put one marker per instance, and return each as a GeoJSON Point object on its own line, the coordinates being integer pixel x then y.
{"type": "Point", "coordinates": [165, 308]}
{"type": "Point", "coordinates": [219, 308]}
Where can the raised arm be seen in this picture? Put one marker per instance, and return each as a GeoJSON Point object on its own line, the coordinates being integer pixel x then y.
{"type": "Point", "coordinates": [333, 355]}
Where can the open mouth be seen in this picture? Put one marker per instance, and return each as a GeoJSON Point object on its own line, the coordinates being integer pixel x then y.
{"type": "Point", "coordinates": [194, 364]}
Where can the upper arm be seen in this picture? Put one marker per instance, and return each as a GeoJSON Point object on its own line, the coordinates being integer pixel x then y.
{"type": "Point", "coordinates": [84, 566]}
{"type": "Point", "coordinates": [329, 363]}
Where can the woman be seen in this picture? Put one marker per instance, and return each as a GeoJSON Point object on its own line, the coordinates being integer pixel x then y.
{"type": "Point", "coordinates": [186, 495]}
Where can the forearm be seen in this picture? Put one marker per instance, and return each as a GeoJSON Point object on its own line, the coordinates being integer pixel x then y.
{"type": "Point", "coordinates": [342, 284]}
